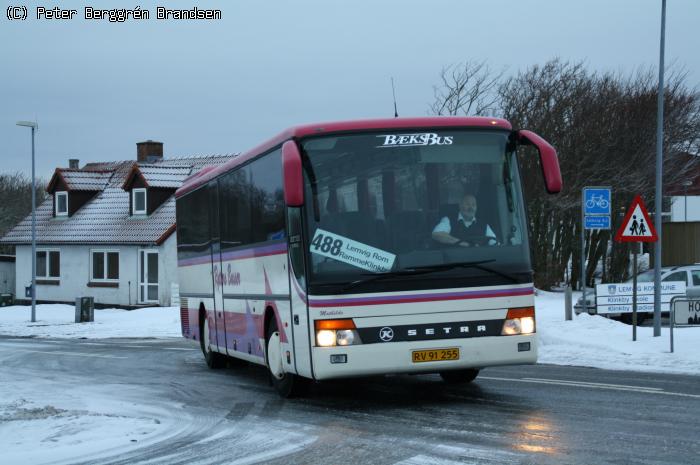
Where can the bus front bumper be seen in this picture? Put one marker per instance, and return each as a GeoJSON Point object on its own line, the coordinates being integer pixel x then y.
{"type": "Point", "coordinates": [396, 357]}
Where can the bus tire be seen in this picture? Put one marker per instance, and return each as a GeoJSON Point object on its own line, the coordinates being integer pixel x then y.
{"type": "Point", "coordinates": [214, 359]}
{"type": "Point", "coordinates": [459, 376]}
{"type": "Point", "coordinates": [286, 384]}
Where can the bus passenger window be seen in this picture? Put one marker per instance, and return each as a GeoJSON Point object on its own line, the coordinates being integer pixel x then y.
{"type": "Point", "coordinates": [267, 198]}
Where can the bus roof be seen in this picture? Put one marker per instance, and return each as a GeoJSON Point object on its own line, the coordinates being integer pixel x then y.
{"type": "Point", "coordinates": [298, 132]}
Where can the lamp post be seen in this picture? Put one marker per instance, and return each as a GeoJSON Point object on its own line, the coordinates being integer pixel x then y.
{"type": "Point", "coordinates": [34, 126]}
{"type": "Point", "coordinates": [659, 175]}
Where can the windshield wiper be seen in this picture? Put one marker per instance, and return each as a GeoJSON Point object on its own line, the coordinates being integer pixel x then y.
{"type": "Point", "coordinates": [477, 264]}
{"type": "Point", "coordinates": [418, 270]}
{"type": "Point", "coordinates": [389, 274]}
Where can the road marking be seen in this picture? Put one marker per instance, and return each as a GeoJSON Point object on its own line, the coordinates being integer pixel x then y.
{"type": "Point", "coordinates": [612, 387]}
{"type": "Point", "coordinates": [626, 386]}
{"type": "Point", "coordinates": [144, 341]}
{"type": "Point", "coordinates": [74, 354]}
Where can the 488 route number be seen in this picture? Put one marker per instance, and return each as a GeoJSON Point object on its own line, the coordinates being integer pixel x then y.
{"type": "Point", "coordinates": [327, 244]}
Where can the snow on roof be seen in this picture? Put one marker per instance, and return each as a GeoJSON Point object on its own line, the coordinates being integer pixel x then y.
{"type": "Point", "coordinates": [85, 180]}
{"type": "Point", "coordinates": [105, 219]}
{"type": "Point", "coordinates": [164, 176]}
{"type": "Point", "coordinates": [170, 177]}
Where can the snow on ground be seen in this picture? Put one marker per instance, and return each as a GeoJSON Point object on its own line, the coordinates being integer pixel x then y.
{"type": "Point", "coordinates": [57, 320]}
{"type": "Point", "coordinates": [590, 341]}
{"type": "Point", "coordinates": [64, 420]}
{"type": "Point", "coordinates": [599, 342]}
{"type": "Point", "coordinates": [75, 423]}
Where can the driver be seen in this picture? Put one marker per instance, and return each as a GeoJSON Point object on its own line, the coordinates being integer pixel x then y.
{"type": "Point", "coordinates": [464, 229]}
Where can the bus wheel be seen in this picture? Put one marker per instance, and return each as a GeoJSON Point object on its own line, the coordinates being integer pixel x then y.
{"type": "Point", "coordinates": [459, 376]}
{"type": "Point", "coordinates": [214, 359]}
{"type": "Point", "coordinates": [286, 384]}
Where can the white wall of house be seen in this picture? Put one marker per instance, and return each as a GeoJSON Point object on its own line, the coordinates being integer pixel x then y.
{"type": "Point", "coordinates": [678, 208]}
{"type": "Point", "coordinates": [75, 273]}
{"type": "Point", "coordinates": [168, 268]}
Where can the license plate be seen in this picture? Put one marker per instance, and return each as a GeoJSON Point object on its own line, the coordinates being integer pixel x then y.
{"type": "Point", "coordinates": [435, 355]}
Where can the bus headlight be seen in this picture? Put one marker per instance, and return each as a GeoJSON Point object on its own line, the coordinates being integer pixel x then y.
{"type": "Point", "coordinates": [528, 325]}
{"type": "Point", "coordinates": [519, 321]}
{"type": "Point", "coordinates": [325, 338]}
{"type": "Point", "coordinates": [345, 337]}
{"type": "Point", "coordinates": [331, 333]}
{"type": "Point", "coordinates": [511, 327]}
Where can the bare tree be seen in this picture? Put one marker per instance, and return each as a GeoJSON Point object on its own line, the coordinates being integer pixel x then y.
{"type": "Point", "coordinates": [16, 201]}
{"type": "Point", "coordinates": [467, 88]}
{"type": "Point", "coordinates": [603, 126]}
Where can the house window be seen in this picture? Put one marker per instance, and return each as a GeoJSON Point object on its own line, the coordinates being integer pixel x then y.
{"type": "Point", "coordinates": [48, 264]}
{"type": "Point", "coordinates": [138, 200]}
{"type": "Point", "coordinates": [104, 265]}
{"type": "Point", "coordinates": [61, 203]}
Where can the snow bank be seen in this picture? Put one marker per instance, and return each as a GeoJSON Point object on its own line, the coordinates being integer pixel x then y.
{"type": "Point", "coordinates": [57, 320]}
{"type": "Point", "coordinates": [599, 342]}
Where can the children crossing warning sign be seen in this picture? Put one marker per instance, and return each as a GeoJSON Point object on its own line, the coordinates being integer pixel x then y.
{"type": "Point", "coordinates": [637, 226]}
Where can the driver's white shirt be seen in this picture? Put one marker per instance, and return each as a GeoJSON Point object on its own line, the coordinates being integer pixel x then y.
{"type": "Point", "coordinates": [445, 226]}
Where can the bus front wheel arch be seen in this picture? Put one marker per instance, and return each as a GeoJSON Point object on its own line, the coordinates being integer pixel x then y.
{"type": "Point", "coordinates": [286, 384]}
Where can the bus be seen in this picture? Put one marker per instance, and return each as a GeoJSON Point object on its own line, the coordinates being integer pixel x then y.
{"type": "Point", "coordinates": [362, 248]}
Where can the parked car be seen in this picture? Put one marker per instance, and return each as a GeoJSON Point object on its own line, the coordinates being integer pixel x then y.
{"type": "Point", "coordinates": [690, 274]}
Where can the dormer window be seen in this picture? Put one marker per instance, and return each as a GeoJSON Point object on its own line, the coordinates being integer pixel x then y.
{"type": "Point", "coordinates": [61, 203]}
{"type": "Point", "coordinates": [138, 201]}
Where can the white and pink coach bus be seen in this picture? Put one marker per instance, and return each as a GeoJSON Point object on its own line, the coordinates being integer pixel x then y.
{"type": "Point", "coordinates": [362, 248]}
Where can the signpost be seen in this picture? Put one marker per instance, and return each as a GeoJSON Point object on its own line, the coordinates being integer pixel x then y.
{"type": "Point", "coordinates": [618, 298]}
{"type": "Point", "coordinates": [595, 214]}
{"type": "Point", "coordinates": [636, 227]}
{"type": "Point", "coordinates": [684, 312]}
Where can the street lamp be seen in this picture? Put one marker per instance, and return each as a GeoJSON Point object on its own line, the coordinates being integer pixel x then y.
{"type": "Point", "coordinates": [659, 176]}
{"type": "Point", "coordinates": [34, 126]}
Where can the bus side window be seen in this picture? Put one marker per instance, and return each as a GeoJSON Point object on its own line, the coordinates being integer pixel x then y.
{"type": "Point", "coordinates": [267, 197]}
{"type": "Point", "coordinates": [296, 247]}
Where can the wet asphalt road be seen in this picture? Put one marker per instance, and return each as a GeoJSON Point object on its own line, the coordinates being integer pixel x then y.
{"type": "Point", "coordinates": [540, 414]}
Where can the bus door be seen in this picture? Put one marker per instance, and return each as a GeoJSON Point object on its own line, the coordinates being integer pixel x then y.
{"type": "Point", "coordinates": [213, 188]}
{"type": "Point", "coordinates": [301, 334]}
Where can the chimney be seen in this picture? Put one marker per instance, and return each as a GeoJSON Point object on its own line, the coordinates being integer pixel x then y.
{"type": "Point", "coordinates": [149, 151]}
{"type": "Point", "coordinates": [73, 163]}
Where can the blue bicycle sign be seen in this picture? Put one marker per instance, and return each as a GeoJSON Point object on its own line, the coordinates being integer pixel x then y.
{"type": "Point", "coordinates": [596, 201]}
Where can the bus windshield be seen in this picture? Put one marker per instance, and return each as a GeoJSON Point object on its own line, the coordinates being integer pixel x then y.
{"type": "Point", "coordinates": [395, 210]}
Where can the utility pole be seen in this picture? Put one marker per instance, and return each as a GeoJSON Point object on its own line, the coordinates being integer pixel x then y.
{"type": "Point", "coordinates": [658, 205]}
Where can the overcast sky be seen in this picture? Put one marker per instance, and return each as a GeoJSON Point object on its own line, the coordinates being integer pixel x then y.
{"type": "Point", "coordinates": [210, 87]}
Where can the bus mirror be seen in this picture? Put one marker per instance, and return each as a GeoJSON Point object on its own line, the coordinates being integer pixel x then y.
{"type": "Point", "coordinates": [293, 178]}
{"type": "Point", "coordinates": [548, 160]}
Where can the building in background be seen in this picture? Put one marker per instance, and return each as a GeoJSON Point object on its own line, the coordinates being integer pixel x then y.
{"type": "Point", "coordinates": [107, 230]}
{"type": "Point", "coordinates": [685, 195]}
{"type": "Point", "coordinates": [681, 228]}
